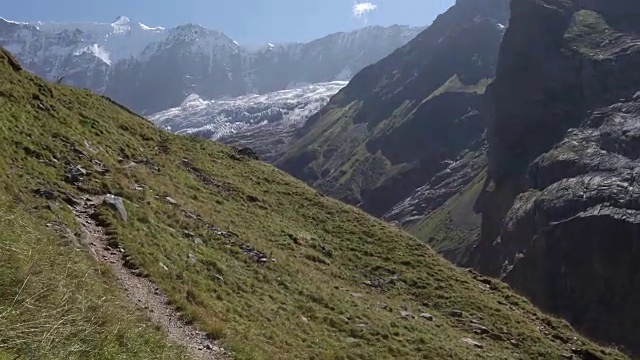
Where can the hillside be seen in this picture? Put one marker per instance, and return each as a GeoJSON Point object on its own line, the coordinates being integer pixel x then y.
{"type": "Point", "coordinates": [255, 258]}
{"type": "Point", "coordinates": [560, 205]}
{"type": "Point", "coordinates": [404, 120]}
{"type": "Point", "coordinates": [151, 69]}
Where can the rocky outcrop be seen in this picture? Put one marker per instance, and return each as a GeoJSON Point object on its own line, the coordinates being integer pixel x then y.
{"type": "Point", "coordinates": [402, 121]}
{"type": "Point", "coordinates": [561, 204]}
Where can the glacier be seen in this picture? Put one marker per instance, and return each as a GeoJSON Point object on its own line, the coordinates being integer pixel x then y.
{"type": "Point", "coordinates": [224, 117]}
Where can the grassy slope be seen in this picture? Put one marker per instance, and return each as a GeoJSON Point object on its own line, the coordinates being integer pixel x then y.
{"type": "Point", "coordinates": [55, 303]}
{"type": "Point", "coordinates": [340, 279]}
{"type": "Point", "coordinates": [451, 228]}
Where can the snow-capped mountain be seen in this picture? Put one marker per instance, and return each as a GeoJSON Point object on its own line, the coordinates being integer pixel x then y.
{"type": "Point", "coordinates": [265, 121]}
{"type": "Point", "coordinates": [150, 69]}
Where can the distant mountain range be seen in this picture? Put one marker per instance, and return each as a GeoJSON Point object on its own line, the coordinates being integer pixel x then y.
{"type": "Point", "coordinates": [151, 69]}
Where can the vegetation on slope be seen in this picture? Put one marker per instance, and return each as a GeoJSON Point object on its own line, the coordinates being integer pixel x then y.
{"type": "Point", "coordinates": [454, 227]}
{"type": "Point", "coordinates": [254, 257]}
{"type": "Point", "coordinates": [55, 303]}
{"type": "Point", "coordinates": [399, 121]}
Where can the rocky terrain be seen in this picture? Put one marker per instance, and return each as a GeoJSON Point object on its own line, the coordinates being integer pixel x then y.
{"type": "Point", "coordinates": [404, 124]}
{"type": "Point", "coordinates": [150, 69]}
{"type": "Point", "coordinates": [560, 213]}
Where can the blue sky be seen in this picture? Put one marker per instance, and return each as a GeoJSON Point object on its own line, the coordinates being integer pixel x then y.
{"type": "Point", "coordinates": [251, 21]}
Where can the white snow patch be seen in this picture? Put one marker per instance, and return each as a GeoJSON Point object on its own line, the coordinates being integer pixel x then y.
{"type": "Point", "coordinates": [119, 39]}
{"type": "Point", "coordinates": [96, 50]}
{"type": "Point", "coordinates": [12, 22]}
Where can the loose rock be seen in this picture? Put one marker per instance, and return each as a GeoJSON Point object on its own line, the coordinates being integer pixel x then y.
{"type": "Point", "coordinates": [427, 317]}
{"type": "Point", "coordinates": [75, 175]}
{"type": "Point", "coordinates": [117, 203]}
{"type": "Point", "coordinates": [473, 343]}
{"type": "Point", "coordinates": [407, 315]}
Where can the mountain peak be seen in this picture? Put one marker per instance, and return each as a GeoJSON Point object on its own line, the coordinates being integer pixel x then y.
{"type": "Point", "coordinates": [121, 20]}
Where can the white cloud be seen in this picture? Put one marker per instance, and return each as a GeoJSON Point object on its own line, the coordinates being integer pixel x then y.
{"type": "Point", "coordinates": [361, 9]}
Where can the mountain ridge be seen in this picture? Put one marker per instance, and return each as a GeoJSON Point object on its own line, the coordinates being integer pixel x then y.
{"type": "Point", "coordinates": [401, 121]}
{"type": "Point", "coordinates": [151, 69]}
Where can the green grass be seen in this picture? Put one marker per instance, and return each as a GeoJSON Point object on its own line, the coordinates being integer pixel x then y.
{"type": "Point", "coordinates": [55, 303]}
{"type": "Point", "coordinates": [587, 34]}
{"type": "Point", "coordinates": [340, 277]}
{"type": "Point", "coordinates": [455, 85]}
{"type": "Point", "coordinates": [454, 226]}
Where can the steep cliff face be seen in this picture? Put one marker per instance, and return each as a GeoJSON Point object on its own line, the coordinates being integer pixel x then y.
{"type": "Point", "coordinates": [561, 204]}
{"type": "Point", "coordinates": [405, 119]}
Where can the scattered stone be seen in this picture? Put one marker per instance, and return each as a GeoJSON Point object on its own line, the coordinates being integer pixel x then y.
{"type": "Point", "coordinates": [118, 204]}
{"type": "Point", "coordinates": [222, 233]}
{"type": "Point", "coordinates": [479, 329]}
{"type": "Point", "coordinates": [473, 343]}
{"type": "Point", "coordinates": [197, 241]}
{"type": "Point", "coordinates": [53, 207]}
{"type": "Point", "coordinates": [164, 267]}
{"type": "Point", "coordinates": [191, 215]}
{"type": "Point", "coordinates": [192, 258]}
{"type": "Point", "coordinates": [427, 317]}
{"type": "Point", "coordinates": [357, 295]}
{"type": "Point", "coordinates": [407, 315]}
{"type": "Point", "coordinates": [246, 152]}
{"type": "Point", "coordinates": [304, 319]}
{"type": "Point", "coordinates": [456, 313]}
{"type": "Point", "coordinates": [75, 175]}
{"type": "Point", "coordinates": [188, 234]}
{"type": "Point", "coordinates": [259, 256]}
{"type": "Point", "coordinates": [45, 193]}
{"type": "Point", "coordinates": [218, 277]}
{"type": "Point", "coordinates": [99, 167]}
{"type": "Point", "coordinates": [171, 200]}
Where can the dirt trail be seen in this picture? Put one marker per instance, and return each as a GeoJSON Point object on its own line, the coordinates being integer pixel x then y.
{"type": "Point", "coordinates": [142, 292]}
